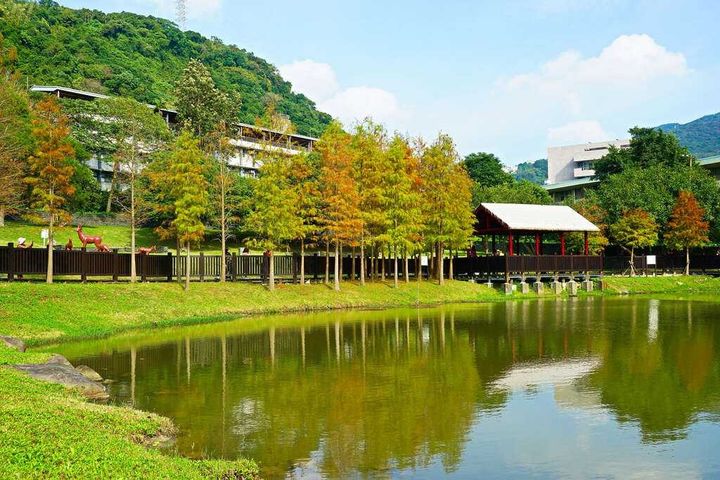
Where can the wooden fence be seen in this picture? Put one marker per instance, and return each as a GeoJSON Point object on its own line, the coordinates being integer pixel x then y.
{"type": "Point", "coordinates": [16, 262]}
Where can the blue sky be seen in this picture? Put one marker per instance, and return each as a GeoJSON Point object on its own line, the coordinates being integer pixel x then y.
{"type": "Point", "coordinates": [510, 77]}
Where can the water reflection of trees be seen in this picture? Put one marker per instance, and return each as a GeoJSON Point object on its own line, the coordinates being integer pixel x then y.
{"type": "Point", "coordinates": [401, 389]}
{"type": "Point", "coordinates": [660, 366]}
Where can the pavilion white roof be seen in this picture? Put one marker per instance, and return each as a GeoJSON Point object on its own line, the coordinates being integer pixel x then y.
{"type": "Point", "coordinates": [547, 218]}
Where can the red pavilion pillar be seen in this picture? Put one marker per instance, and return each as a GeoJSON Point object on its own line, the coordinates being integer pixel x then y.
{"type": "Point", "coordinates": [587, 244]}
{"type": "Point", "coordinates": [538, 241]}
{"type": "Point", "coordinates": [562, 243]}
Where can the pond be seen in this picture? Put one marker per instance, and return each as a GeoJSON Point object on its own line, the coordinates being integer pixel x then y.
{"type": "Point", "coordinates": [606, 387]}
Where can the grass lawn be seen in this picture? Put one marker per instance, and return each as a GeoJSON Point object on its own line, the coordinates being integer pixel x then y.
{"type": "Point", "coordinates": [113, 236]}
{"type": "Point", "coordinates": [50, 432]}
{"type": "Point", "coordinates": [41, 313]}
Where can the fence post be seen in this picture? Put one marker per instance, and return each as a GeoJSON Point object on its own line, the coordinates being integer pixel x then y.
{"type": "Point", "coordinates": [11, 261]}
{"type": "Point", "coordinates": [115, 264]}
{"type": "Point", "coordinates": [83, 267]}
{"type": "Point", "coordinates": [202, 267]}
{"type": "Point", "coordinates": [233, 267]}
{"type": "Point", "coordinates": [143, 266]}
{"type": "Point", "coordinates": [294, 267]}
{"type": "Point", "coordinates": [170, 267]}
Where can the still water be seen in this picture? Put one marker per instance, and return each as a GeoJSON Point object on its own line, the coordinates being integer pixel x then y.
{"type": "Point", "coordinates": [609, 388]}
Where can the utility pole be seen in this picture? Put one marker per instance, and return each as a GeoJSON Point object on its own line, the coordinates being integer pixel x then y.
{"type": "Point", "coordinates": [181, 12]}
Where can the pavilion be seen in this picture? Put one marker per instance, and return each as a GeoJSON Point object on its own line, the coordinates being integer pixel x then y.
{"type": "Point", "coordinates": [514, 220]}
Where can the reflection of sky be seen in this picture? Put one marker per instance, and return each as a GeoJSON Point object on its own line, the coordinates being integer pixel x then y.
{"type": "Point", "coordinates": [534, 437]}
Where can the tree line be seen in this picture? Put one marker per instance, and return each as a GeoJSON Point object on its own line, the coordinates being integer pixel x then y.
{"type": "Point", "coordinates": [652, 194]}
{"type": "Point", "coordinates": [382, 195]}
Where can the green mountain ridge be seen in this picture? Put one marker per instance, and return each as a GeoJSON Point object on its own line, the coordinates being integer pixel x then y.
{"type": "Point", "coordinates": [701, 136]}
{"type": "Point", "coordinates": [141, 57]}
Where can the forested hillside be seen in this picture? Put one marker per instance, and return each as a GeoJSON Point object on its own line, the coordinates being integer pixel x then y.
{"type": "Point", "coordinates": [141, 57]}
{"type": "Point", "coordinates": [701, 136]}
{"type": "Point", "coordinates": [535, 172]}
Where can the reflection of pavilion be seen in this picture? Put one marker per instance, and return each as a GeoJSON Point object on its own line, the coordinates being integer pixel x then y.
{"type": "Point", "coordinates": [561, 372]}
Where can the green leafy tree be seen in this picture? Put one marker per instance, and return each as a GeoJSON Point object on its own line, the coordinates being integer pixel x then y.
{"type": "Point", "coordinates": [636, 229]}
{"type": "Point", "coordinates": [486, 170]}
{"type": "Point", "coordinates": [50, 168]}
{"type": "Point", "coordinates": [370, 169]}
{"type": "Point", "coordinates": [655, 189]}
{"type": "Point", "coordinates": [15, 138]}
{"type": "Point", "coordinates": [515, 192]}
{"type": "Point", "coordinates": [687, 227]}
{"type": "Point", "coordinates": [209, 114]}
{"type": "Point", "coordinates": [188, 188]}
{"type": "Point", "coordinates": [648, 147]}
{"type": "Point", "coordinates": [403, 201]}
{"type": "Point", "coordinates": [273, 217]}
{"type": "Point", "coordinates": [441, 192]}
{"type": "Point", "coordinates": [304, 175]}
{"type": "Point", "coordinates": [139, 130]}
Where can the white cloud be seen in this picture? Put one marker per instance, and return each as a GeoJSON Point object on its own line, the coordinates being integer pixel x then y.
{"type": "Point", "coordinates": [356, 103]}
{"type": "Point", "coordinates": [315, 80]}
{"type": "Point", "coordinates": [630, 62]}
{"type": "Point", "coordinates": [318, 82]}
{"type": "Point", "coordinates": [195, 8]}
{"type": "Point", "coordinates": [577, 132]}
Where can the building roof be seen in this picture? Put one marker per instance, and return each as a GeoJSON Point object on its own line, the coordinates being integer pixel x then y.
{"type": "Point", "coordinates": [539, 218]}
{"type": "Point", "coordinates": [571, 184]}
{"type": "Point", "coordinates": [710, 161]}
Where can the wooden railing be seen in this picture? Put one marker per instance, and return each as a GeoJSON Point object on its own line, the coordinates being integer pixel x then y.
{"type": "Point", "coordinates": [16, 262]}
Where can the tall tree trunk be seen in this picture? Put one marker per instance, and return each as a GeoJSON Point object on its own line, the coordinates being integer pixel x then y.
{"type": "Point", "coordinates": [441, 276]}
{"type": "Point", "coordinates": [223, 226]}
{"type": "Point", "coordinates": [302, 261]}
{"type": "Point", "coordinates": [407, 267]}
{"type": "Point", "coordinates": [418, 267]}
{"type": "Point", "coordinates": [187, 266]}
{"type": "Point", "coordinates": [271, 271]}
{"type": "Point", "coordinates": [108, 207]}
{"type": "Point", "coordinates": [337, 266]}
{"type": "Point", "coordinates": [362, 261]}
{"type": "Point", "coordinates": [341, 263]}
{"type": "Point", "coordinates": [327, 263]}
{"type": "Point", "coordinates": [2, 216]}
{"type": "Point", "coordinates": [395, 270]}
{"type": "Point", "coordinates": [178, 248]}
{"type": "Point", "coordinates": [133, 258]}
{"type": "Point", "coordinates": [49, 275]}
{"type": "Point", "coordinates": [687, 260]}
{"type": "Point", "coordinates": [352, 266]}
{"type": "Point", "coordinates": [632, 262]}
{"type": "Point", "coordinates": [450, 268]}
{"type": "Point", "coordinates": [382, 263]}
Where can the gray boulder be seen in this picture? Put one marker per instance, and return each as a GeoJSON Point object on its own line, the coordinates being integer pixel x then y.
{"type": "Point", "coordinates": [67, 376]}
{"type": "Point", "coordinates": [12, 342]}
{"type": "Point", "coordinates": [89, 373]}
{"type": "Point", "coordinates": [58, 359]}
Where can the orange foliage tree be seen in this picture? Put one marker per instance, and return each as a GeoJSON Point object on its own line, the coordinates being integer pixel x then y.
{"type": "Point", "coordinates": [341, 214]}
{"type": "Point", "coordinates": [50, 170]}
{"type": "Point", "coordinates": [687, 227]}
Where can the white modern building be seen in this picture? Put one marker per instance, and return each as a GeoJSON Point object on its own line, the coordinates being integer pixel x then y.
{"type": "Point", "coordinates": [249, 140]}
{"type": "Point", "coordinates": [570, 167]}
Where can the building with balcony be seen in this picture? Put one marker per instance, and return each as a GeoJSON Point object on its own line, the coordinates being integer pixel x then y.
{"type": "Point", "coordinates": [248, 140]}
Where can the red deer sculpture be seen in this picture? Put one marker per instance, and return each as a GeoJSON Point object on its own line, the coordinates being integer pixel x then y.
{"type": "Point", "coordinates": [146, 250]}
{"type": "Point", "coordinates": [97, 241]}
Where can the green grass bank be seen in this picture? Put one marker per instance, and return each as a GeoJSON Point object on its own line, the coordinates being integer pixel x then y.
{"type": "Point", "coordinates": [50, 432]}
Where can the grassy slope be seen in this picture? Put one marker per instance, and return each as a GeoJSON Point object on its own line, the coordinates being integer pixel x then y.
{"type": "Point", "coordinates": [40, 313]}
{"type": "Point", "coordinates": [49, 432]}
